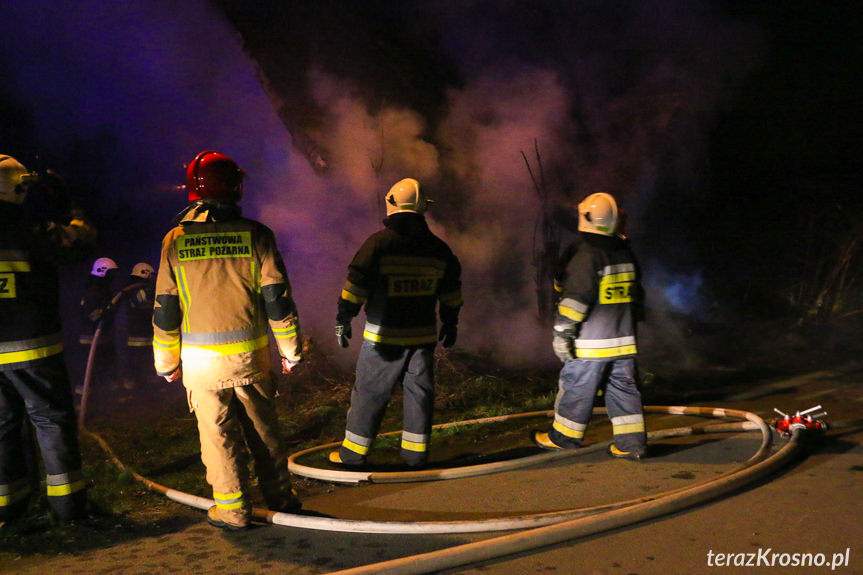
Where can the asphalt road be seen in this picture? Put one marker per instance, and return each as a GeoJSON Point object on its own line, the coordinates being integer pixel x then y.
{"type": "Point", "coordinates": [809, 512]}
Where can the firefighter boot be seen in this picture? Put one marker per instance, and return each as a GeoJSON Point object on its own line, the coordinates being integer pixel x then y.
{"type": "Point", "coordinates": [70, 507]}
{"type": "Point", "coordinates": [229, 519]}
{"type": "Point", "coordinates": [634, 455]}
{"type": "Point", "coordinates": [14, 511]}
{"type": "Point", "coordinates": [281, 500]}
{"type": "Point", "coordinates": [335, 457]}
{"type": "Point", "coordinates": [542, 440]}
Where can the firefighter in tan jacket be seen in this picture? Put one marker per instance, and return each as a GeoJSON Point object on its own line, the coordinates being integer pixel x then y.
{"type": "Point", "coordinates": [221, 280]}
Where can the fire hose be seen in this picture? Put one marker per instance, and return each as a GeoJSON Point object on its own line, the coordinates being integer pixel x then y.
{"type": "Point", "coordinates": [581, 527]}
{"type": "Point", "coordinates": [340, 476]}
{"type": "Point", "coordinates": [88, 371]}
{"type": "Point", "coordinates": [485, 525]}
{"type": "Point", "coordinates": [540, 529]}
{"type": "Point", "coordinates": [582, 521]}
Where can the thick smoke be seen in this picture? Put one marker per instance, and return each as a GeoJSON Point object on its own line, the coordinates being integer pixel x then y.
{"type": "Point", "coordinates": [615, 96]}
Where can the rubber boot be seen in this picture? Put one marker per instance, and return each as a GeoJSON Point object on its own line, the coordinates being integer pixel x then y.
{"type": "Point", "coordinates": [229, 519]}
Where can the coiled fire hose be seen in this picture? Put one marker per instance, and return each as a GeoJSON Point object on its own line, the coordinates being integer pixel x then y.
{"type": "Point", "coordinates": [581, 527]}
{"type": "Point", "coordinates": [541, 529]}
{"type": "Point", "coordinates": [749, 422]}
{"type": "Point", "coordinates": [538, 530]}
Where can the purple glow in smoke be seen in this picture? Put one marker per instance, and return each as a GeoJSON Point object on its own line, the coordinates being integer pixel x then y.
{"type": "Point", "coordinates": [614, 95]}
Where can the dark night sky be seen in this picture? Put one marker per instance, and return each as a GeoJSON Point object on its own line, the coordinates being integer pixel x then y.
{"type": "Point", "coordinates": [786, 157]}
{"type": "Point", "coordinates": [728, 128]}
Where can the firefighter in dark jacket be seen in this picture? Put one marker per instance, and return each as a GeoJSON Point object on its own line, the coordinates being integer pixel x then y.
{"type": "Point", "coordinates": [595, 334]}
{"type": "Point", "coordinates": [38, 230]}
{"type": "Point", "coordinates": [221, 283]}
{"type": "Point", "coordinates": [400, 274]}
{"type": "Point", "coordinates": [139, 294]}
{"type": "Point", "coordinates": [94, 303]}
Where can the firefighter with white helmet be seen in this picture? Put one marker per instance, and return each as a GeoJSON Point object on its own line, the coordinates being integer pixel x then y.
{"type": "Point", "coordinates": [221, 283]}
{"type": "Point", "coordinates": [139, 295]}
{"type": "Point", "coordinates": [102, 266]}
{"type": "Point", "coordinates": [143, 270]}
{"type": "Point", "coordinates": [595, 334]}
{"type": "Point", "coordinates": [95, 310]}
{"type": "Point", "coordinates": [405, 277]}
{"type": "Point", "coordinates": [34, 382]}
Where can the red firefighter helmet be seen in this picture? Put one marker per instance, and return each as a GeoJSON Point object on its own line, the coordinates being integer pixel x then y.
{"type": "Point", "coordinates": [214, 176]}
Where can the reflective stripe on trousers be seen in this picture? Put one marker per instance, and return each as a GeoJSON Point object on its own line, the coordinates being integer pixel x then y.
{"type": "Point", "coordinates": [229, 421]}
{"type": "Point", "coordinates": [42, 393]}
{"type": "Point", "coordinates": [13, 492]}
{"type": "Point", "coordinates": [379, 370]}
{"type": "Point", "coordinates": [577, 387]}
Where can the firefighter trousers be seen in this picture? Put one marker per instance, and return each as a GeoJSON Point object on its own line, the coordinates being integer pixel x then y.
{"type": "Point", "coordinates": [234, 423]}
{"type": "Point", "coordinates": [579, 380]}
{"type": "Point", "coordinates": [379, 369]}
{"type": "Point", "coordinates": [42, 393]}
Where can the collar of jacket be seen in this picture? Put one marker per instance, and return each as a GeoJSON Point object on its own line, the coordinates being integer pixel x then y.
{"type": "Point", "coordinates": [10, 212]}
{"type": "Point", "coordinates": [203, 211]}
{"type": "Point", "coordinates": [604, 242]}
{"type": "Point", "coordinates": [407, 223]}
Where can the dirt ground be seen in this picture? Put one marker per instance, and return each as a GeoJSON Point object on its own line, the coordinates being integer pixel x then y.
{"type": "Point", "coordinates": [811, 507]}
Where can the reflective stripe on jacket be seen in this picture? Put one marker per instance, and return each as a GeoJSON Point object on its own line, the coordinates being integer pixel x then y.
{"type": "Point", "coordinates": [601, 290]}
{"type": "Point", "coordinates": [405, 276]}
{"type": "Point", "coordinates": [221, 283]}
{"type": "Point", "coordinates": [29, 284]}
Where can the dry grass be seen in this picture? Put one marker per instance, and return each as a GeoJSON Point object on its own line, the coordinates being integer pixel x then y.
{"type": "Point", "coordinates": [157, 437]}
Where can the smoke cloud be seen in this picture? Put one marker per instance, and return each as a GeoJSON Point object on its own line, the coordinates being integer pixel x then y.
{"type": "Point", "coordinates": [615, 96]}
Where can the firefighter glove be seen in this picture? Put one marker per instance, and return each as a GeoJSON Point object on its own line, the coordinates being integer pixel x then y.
{"type": "Point", "coordinates": [564, 347]}
{"type": "Point", "coordinates": [174, 375]}
{"type": "Point", "coordinates": [288, 365]}
{"type": "Point", "coordinates": [448, 334]}
{"type": "Point", "coordinates": [343, 334]}
{"type": "Point", "coordinates": [100, 313]}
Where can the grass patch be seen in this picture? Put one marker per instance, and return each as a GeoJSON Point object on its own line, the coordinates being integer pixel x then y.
{"type": "Point", "coordinates": [159, 440]}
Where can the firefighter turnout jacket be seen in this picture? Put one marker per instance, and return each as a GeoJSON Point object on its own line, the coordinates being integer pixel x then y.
{"type": "Point", "coordinates": [399, 274]}
{"type": "Point", "coordinates": [33, 378]}
{"type": "Point", "coordinates": [219, 330]}
{"type": "Point", "coordinates": [139, 325]}
{"type": "Point", "coordinates": [600, 300]}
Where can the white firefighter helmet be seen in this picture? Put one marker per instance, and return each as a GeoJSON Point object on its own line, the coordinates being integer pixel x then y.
{"type": "Point", "coordinates": [406, 196]}
{"type": "Point", "coordinates": [101, 267]}
{"type": "Point", "coordinates": [11, 175]}
{"type": "Point", "coordinates": [597, 214]}
{"type": "Point", "coordinates": [142, 270]}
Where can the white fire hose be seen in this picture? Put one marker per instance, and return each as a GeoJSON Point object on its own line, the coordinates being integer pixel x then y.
{"type": "Point", "coordinates": [540, 529]}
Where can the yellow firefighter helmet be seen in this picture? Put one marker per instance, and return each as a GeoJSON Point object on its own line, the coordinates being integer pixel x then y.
{"type": "Point", "coordinates": [597, 214]}
{"type": "Point", "coordinates": [142, 270]}
{"type": "Point", "coordinates": [406, 196]}
{"type": "Point", "coordinates": [11, 175]}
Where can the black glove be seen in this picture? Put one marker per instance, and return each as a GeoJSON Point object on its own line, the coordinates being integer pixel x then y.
{"type": "Point", "coordinates": [448, 334]}
{"type": "Point", "coordinates": [100, 313]}
{"type": "Point", "coordinates": [564, 347]}
{"type": "Point", "coordinates": [343, 334]}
